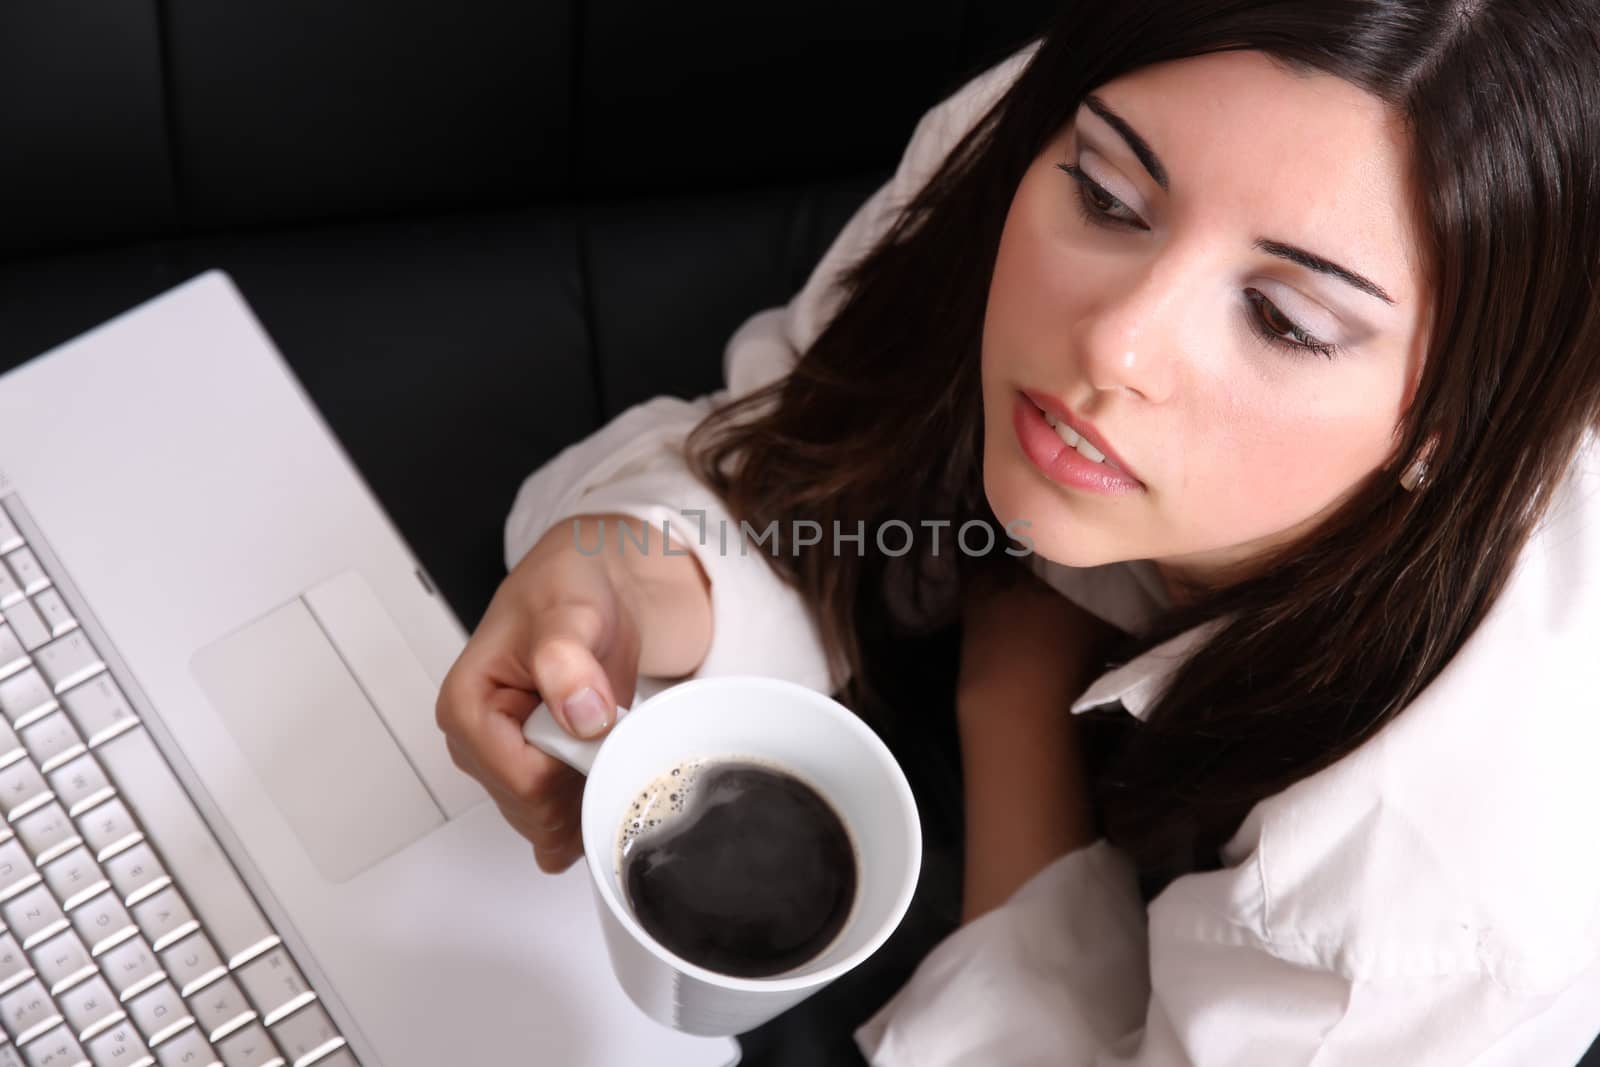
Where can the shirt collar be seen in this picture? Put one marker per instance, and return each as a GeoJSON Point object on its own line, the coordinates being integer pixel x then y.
{"type": "Point", "coordinates": [1139, 683]}
{"type": "Point", "coordinates": [1129, 595]}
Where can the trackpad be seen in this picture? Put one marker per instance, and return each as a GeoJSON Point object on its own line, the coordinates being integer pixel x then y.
{"type": "Point", "coordinates": [326, 758]}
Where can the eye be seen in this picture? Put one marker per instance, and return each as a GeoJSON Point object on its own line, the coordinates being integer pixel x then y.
{"type": "Point", "coordinates": [1098, 207]}
{"type": "Point", "coordinates": [1272, 326]}
{"type": "Point", "coordinates": [1267, 323]}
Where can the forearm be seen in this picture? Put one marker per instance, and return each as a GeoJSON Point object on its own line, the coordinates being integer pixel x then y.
{"type": "Point", "coordinates": [1027, 802]}
{"type": "Point", "coordinates": [662, 585]}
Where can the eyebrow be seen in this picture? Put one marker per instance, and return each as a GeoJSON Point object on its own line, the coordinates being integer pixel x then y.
{"type": "Point", "coordinates": [1158, 173]}
{"type": "Point", "coordinates": [1138, 145]}
{"type": "Point", "coordinates": [1312, 261]}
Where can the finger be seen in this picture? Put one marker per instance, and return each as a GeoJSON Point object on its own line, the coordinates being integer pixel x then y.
{"type": "Point", "coordinates": [574, 685]}
{"type": "Point", "coordinates": [503, 756]}
{"type": "Point", "coordinates": [554, 861]}
{"type": "Point", "coordinates": [558, 848]}
{"type": "Point", "coordinates": [478, 714]}
{"type": "Point", "coordinates": [556, 806]}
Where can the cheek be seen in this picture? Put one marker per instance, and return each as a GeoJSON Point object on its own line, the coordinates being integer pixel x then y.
{"type": "Point", "coordinates": [1032, 287]}
{"type": "Point", "coordinates": [1260, 466]}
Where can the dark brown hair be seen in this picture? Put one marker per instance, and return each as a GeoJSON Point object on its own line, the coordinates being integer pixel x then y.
{"type": "Point", "coordinates": [1329, 638]}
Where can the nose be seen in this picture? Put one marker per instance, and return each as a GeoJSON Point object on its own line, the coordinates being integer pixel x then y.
{"type": "Point", "coordinates": [1129, 335]}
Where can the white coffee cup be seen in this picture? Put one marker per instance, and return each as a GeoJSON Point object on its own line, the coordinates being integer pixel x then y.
{"type": "Point", "coordinates": [777, 722]}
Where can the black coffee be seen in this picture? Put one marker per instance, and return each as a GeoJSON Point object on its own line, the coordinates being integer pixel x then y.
{"type": "Point", "coordinates": [738, 867]}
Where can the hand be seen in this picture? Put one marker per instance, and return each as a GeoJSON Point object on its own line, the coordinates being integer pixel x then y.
{"type": "Point", "coordinates": [560, 628]}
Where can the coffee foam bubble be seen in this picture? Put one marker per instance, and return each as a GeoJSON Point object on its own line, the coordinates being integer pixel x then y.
{"type": "Point", "coordinates": [667, 796]}
{"type": "Point", "coordinates": [654, 806]}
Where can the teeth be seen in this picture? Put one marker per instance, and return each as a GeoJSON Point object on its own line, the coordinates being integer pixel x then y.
{"type": "Point", "coordinates": [1086, 449]}
{"type": "Point", "coordinates": [1074, 440]}
{"type": "Point", "coordinates": [1071, 437]}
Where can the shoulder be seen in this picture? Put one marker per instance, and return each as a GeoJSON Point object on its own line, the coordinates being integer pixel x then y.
{"type": "Point", "coordinates": [1461, 836]}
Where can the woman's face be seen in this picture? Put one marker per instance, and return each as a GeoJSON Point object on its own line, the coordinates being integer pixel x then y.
{"type": "Point", "coordinates": [1146, 327]}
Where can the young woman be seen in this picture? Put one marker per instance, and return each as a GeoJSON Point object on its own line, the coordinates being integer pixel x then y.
{"type": "Point", "coordinates": [1268, 333]}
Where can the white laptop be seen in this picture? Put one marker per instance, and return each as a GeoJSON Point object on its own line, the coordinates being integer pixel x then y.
{"type": "Point", "coordinates": [232, 833]}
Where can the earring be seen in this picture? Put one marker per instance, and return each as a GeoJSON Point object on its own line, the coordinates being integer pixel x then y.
{"type": "Point", "coordinates": [1417, 473]}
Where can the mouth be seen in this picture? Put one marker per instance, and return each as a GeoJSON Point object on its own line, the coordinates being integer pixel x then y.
{"type": "Point", "coordinates": [1077, 434]}
{"type": "Point", "coordinates": [1042, 437]}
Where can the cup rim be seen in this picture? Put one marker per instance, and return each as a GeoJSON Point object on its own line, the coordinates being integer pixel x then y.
{"type": "Point", "coordinates": [852, 723]}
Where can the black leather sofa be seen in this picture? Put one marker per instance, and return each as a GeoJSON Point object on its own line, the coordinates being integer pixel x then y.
{"type": "Point", "coordinates": [476, 229]}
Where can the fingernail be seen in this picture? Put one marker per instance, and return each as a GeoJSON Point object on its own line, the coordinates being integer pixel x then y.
{"type": "Point", "coordinates": [587, 713]}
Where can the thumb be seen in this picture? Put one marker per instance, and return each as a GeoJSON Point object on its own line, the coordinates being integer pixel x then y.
{"type": "Point", "coordinates": [574, 686]}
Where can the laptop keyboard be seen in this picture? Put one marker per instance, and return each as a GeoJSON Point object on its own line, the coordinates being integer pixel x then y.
{"type": "Point", "coordinates": [127, 939]}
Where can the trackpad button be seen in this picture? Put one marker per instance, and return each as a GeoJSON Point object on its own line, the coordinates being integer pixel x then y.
{"type": "Point", "coordinates": [316, 742]}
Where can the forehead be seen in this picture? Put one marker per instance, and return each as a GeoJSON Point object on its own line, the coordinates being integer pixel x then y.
{"type": "Point", "coordinates": [1308, 159]}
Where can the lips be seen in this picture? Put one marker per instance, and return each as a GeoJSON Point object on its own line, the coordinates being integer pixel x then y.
{"type": "Point", "coordinates": [1058, 413]}
{"type": "Point", "coordinates": [1061, 463]}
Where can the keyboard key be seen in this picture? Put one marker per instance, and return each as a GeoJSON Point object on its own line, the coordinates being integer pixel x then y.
{"type": "Point", "coordinates": [11, 748]}
{"type": "Point", "coordinates": [74, 878]}
{"type": "Point", "coordinates": [68, 660]}
{"type": "Point", "coordinates": [307, 1034]}
{"type": "Point", "coordinates": [62, 962]}
{"type": "Point", "coordinates": [11, 1056]}
{"type": "Point", "coordinates": [22, 789]}
{"type": "Point", "coordinates": [274, 985]}
{"type": "Point", "coordinates": [25, 698]}
{"type": "Point", "coordinates": [249, 1047]}
{"type": "Point", "coordinates": [31, 629]}
{"type": "Point", "coordinates": [99, 709]}
{"type": "Point", "coordinates": [34, 916]}
{"type": "Point", "coordinates": [10, 591]}
{"type": "Point", "coordinates": [52, 741]}
{"type": "Point", "coordinates": [103, 922]}
{"type": "Point", "coordinates": [28, 1011]}
{"type": "Point", "coordinates": [15, 968]}
{"type": "Point", "coordinates": [192, 963]}
{"type": "Point", "coordinates": [17, 871]}
{"type": "Point", "coordinates": [90, 1008]}
{"type": "Point", "coordinates": [164, 918]}
{"type": "Point", "coordinates": [120, 1046]}
{"type": "Point", "coordinates": [136, 874]}
{"type": "Point", "coordinates": [188, 1049]}
{"type": "Point", "coordinates": [9, 536]}
{"type": "Point", "coordinates": [47, 833]}
{"type": "Point", "coordinates": [220, 1009]}
{"type": "Point", "coordinates": [79, 785]}
{"type": "Point", "coordinates": [186, 847]}
{"type": "Point", "coordinates": [53, 610]}
{"type": "Point", "coordinates": [12, 656]}
{"type": "Point", "coordinates": [131, 968]}
{"type": "Point", "coordinates": [25, 568]}
{"type": "Point", "coordinates": [109, 829]}
{"type": "Point", "coordinates": [158, 1013]}
{"type": "Point", "coordinates": [58, 1048]}
{"type": "Point", "coordinates": [341, 1058]}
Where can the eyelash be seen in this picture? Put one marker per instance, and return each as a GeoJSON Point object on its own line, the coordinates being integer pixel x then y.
{"type": "Point", "coordinates": [1302, 344]}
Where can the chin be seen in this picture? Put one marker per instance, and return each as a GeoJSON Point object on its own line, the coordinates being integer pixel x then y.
{"type": "Point", "coordinates": [1059, 533]}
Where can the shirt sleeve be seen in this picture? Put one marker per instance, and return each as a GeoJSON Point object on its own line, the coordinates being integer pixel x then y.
{"type": "Point", "coordinates": [635, 464]}
{"type": "Point", "coordinates": [1070, 971]}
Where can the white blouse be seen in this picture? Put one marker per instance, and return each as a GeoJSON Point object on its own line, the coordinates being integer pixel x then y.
{"type": "Point", "coordinates": [1432, 898]}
